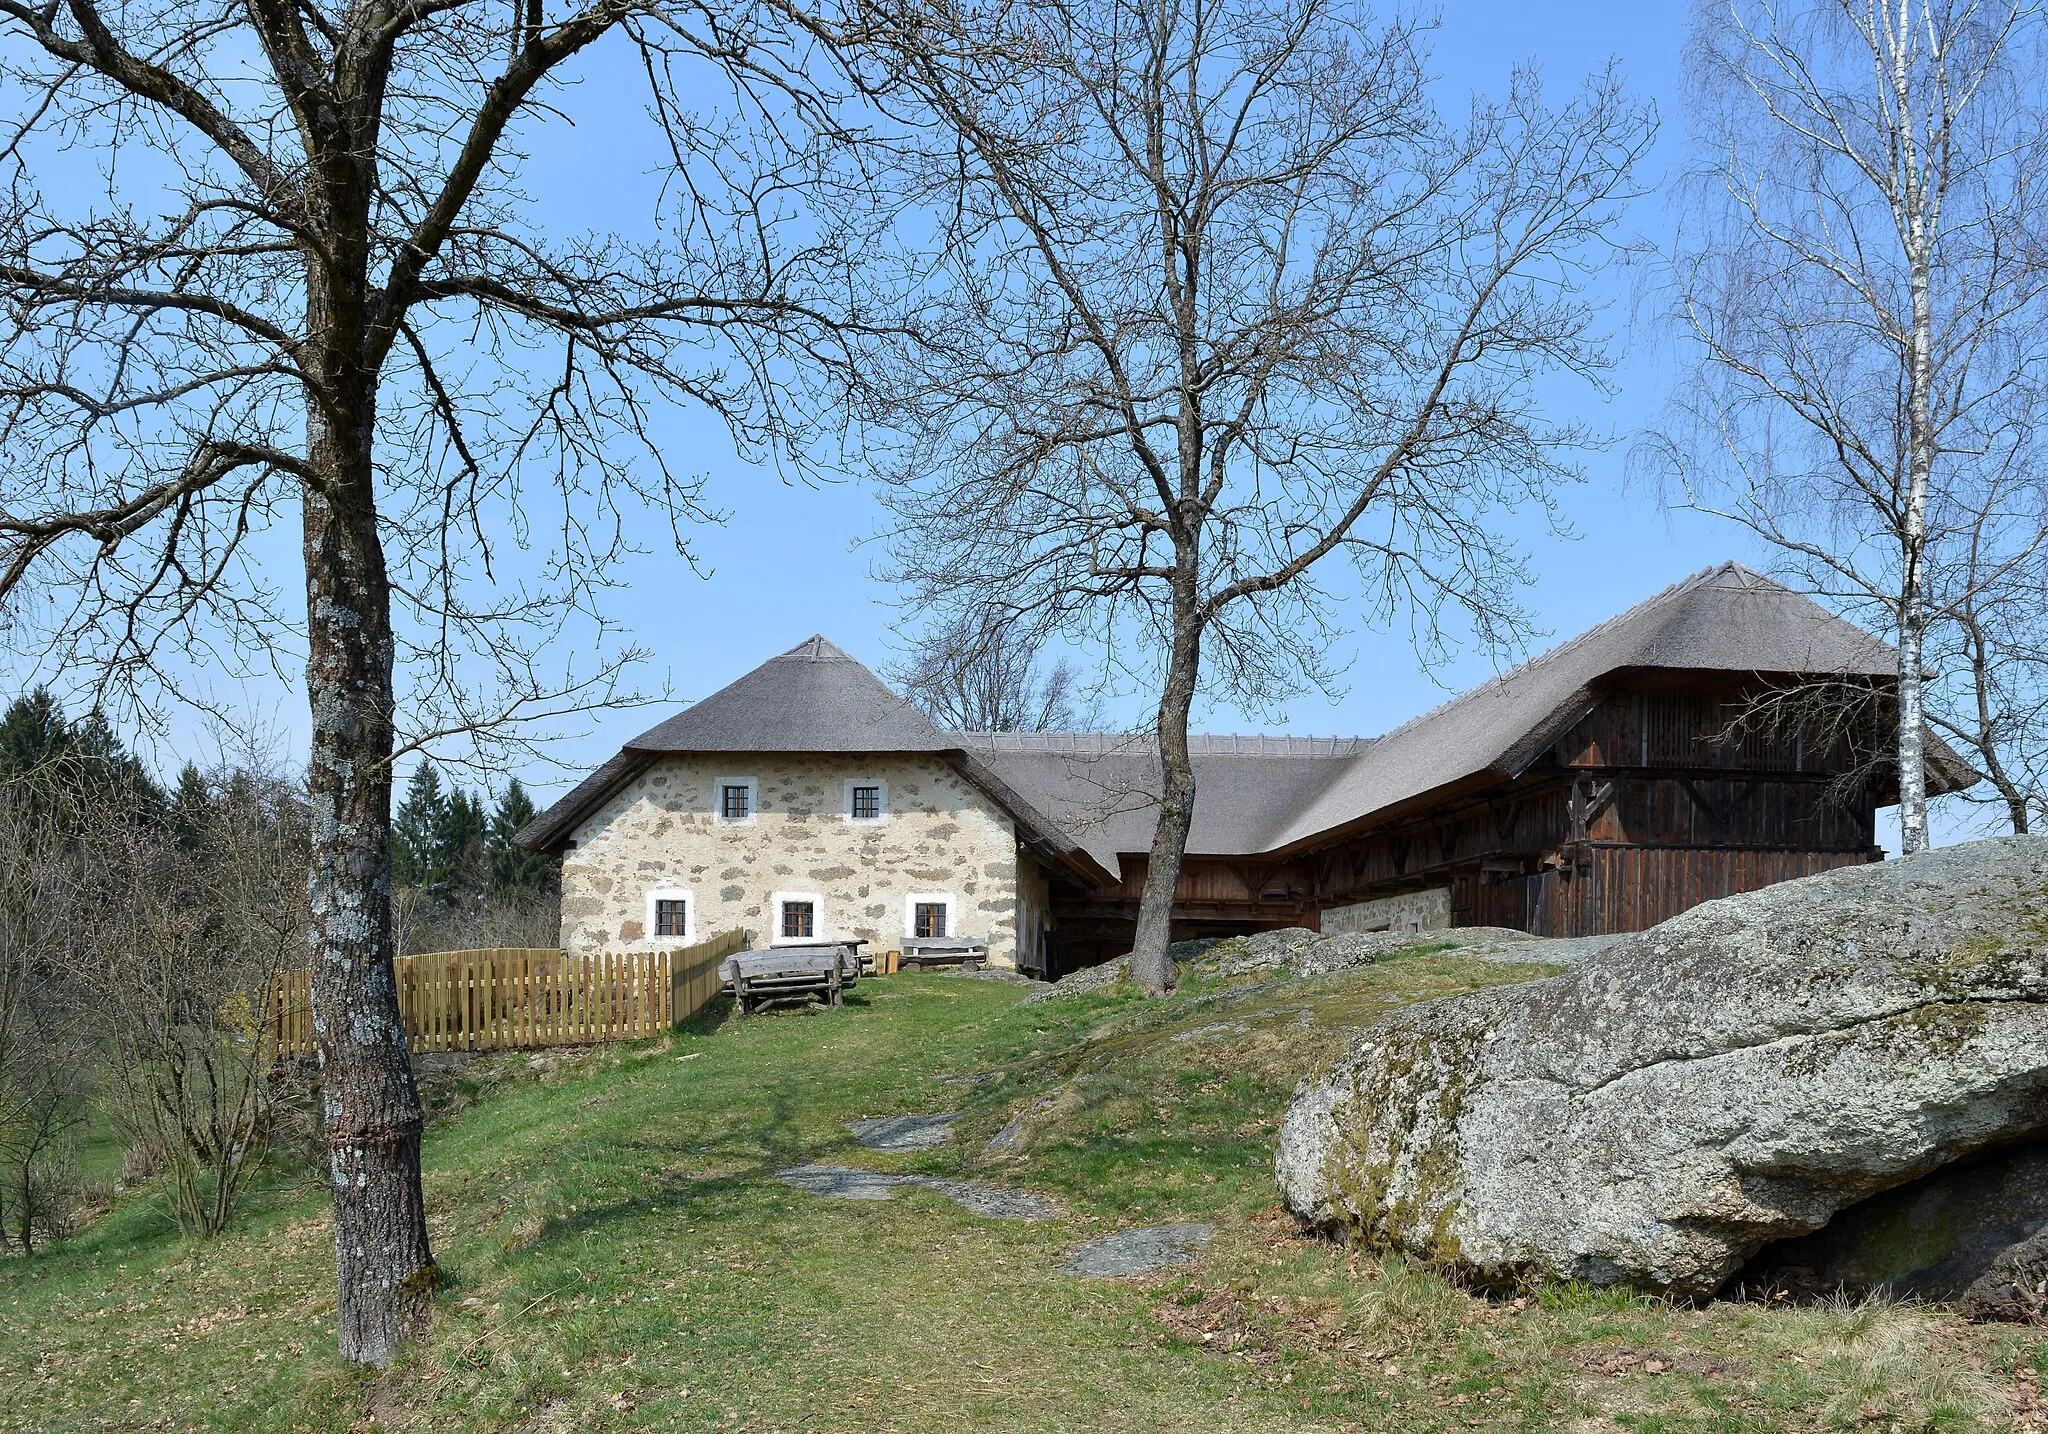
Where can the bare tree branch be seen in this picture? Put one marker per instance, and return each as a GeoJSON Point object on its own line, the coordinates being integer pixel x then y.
{"type": "Point", "coordinates": [184, 393]}
{"type": "Point", "coordinates": [1863, 286]}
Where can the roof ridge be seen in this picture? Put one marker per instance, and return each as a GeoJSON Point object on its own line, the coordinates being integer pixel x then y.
{"type": "Point", "coordinates": [1571, 644]}
{"type": "Point", "coordinates": [815, 648]}
{"type": "Point", "coordinates": [1205, 744]}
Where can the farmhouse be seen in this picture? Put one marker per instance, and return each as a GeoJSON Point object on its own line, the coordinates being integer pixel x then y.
{"type": "Point", "coordinates": [1603, 786]}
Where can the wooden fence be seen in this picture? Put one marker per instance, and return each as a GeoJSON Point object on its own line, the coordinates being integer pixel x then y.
{"type": "Point", "coordinates": [512, 999]}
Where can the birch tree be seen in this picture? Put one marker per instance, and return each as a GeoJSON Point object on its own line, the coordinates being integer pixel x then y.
{"type": "Point", "coordinates": [268, 283]}
{"type": "Point", "coordinates": [1862, 279]}
{"type": "Point", "coordinates": [1221, 298]}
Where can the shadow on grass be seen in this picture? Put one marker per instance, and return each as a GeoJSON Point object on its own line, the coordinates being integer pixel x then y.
{"type": "Point", "coordinates": [756, 1153]}
{"type": "Point", "coordinates": [722, 1011]}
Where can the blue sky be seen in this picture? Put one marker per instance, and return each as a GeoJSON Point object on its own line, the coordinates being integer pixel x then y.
{"type": "Point", "coordinates": [790, 562]}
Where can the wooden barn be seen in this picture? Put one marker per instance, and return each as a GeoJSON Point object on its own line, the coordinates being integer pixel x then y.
{"type": "Point", "coordinates": [1726, 734]}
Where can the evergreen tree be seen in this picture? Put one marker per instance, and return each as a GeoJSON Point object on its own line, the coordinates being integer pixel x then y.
{"type": "Point", "coordinates": [514, 872]}
{"type": "Point", "coordinates": [458, 874]}
{"type": "Point", "coordinates": [32, 733]}
{"type": "Point", "coordinates": [74, 767]}
{"type": "Point", "coordinates": [191, 808]}
{"type": "Point", "coordinates": [416, 827]}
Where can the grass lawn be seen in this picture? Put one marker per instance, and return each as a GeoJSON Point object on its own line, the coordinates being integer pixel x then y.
{"type": "Point", "coordinates": [618, 1257]}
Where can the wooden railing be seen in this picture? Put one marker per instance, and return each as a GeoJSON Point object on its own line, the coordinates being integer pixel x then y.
{"type": "Point", "coordinates": [513, 999]}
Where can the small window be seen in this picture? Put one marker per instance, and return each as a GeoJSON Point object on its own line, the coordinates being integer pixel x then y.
{"type": "Point", "coordinates": [928, 916]}
{"type": "Point", "coordinates": [799, 920]}
{"type": "Point", "coordinates": [796, 916]}
{"type": "Point", "coordinates": [671, 914]}
{"type": "Point", "coordinates": [736, 802]}
{"type": "Point", "coordinates": [867, 800]}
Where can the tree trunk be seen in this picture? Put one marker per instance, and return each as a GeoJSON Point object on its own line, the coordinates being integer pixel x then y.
{"type": "Point", "coordinates": [384, 1270]}
{"type": "Point", "coordinates": [1913, 534]}
{"type": "Point", "coordinates": [1912, 733]}
{"type": "Point", "coordinates": [1151, 963]}
{"type": "Point", "coordinates": [1987, 727]}
{"type": "Point", "coordinates": [27, 1213]}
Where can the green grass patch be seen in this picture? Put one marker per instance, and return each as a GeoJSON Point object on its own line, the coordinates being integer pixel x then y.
{"type": "Point", "coordinates": [619, 1258]}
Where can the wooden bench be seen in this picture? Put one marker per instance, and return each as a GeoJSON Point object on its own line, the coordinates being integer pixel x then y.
{"type": "Point", "coordinates": [787, 973]}
{"type": "Point", "coordinates": [962, 951]}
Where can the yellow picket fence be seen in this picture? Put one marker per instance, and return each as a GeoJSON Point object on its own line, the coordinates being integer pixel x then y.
{"type": "Point", "coordinates": [519, 999]}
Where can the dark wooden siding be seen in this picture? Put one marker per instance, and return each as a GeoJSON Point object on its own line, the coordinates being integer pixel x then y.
{"type": "Point", "coordinates": [1631, 888]}
{"type": "Point", "coordinates": [1709, 809]}
{"type": "Point", "coordinates": [1654, 801]}
{"type": "Point", "coordinates": [1645, 728]}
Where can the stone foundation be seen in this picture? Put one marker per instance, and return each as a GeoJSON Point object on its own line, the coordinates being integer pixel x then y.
{"type": "Point", "coordinates": [1410, 911]}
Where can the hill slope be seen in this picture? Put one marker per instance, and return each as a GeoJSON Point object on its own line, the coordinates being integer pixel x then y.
{"type": "Point", "coordinates": [620, 1256]}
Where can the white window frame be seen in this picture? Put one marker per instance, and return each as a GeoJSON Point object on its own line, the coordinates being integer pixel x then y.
{"type": "Point", "coordinates": [718, 787]}
{"type": "Point", "coordinates": [846, 802]}
{"type": "Point", "coordinates": [952, 904]}
{"type": "Point", "coordinates": [819, 930]}
{"type": "Point", "coordinates": [672, 893]}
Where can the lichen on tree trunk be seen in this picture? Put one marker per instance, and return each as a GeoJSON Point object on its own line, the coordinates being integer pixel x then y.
{"type": "Point", "coordinates": [385, 1273]}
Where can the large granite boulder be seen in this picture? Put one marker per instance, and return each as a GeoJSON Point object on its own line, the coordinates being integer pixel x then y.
{"type": "Point", "coordinates": [1691, 1093]}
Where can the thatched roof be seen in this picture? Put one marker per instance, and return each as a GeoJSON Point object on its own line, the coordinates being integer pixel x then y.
{"type": "Point", "coordinates": [1102, 788]}
{"type": "Point", "coordinates": [1083, 799]}
{"type": "Point", "coordinates": [813, 699]}
{"type": "Point", "coordinates": [1726, 619]}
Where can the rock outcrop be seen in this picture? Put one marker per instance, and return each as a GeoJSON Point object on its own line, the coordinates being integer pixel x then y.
{"type": "Point", "coordinates": [1689, 1094]}
{"type": "Point", "coordinates": [2015, 1287]}
{"type": "Point", "coordinates": [1296, 952]}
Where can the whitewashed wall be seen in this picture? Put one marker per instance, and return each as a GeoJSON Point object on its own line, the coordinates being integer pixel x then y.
{"type": "Point", "coordinates": [661, 833]}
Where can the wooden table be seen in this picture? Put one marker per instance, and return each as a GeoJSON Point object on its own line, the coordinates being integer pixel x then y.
{"type": "Point", "coordinates": [849, 946]}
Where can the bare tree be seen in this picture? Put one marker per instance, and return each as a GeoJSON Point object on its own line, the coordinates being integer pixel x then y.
{"type": "Point", "coordinates": [1220, 296]}
{"type": "Point", "coordinates": [421, 924]}
{"type": "Point", "coordinates": [1989, 647]}
{"type": "Point", "coordinates": [976, 674]}
{"type": "Point", "coordinates": [304, 289]}
{"type": "Point", "coordinates": [1863, 279]}
{"type": "Point", "coordinates": [44, 1047]}
{"type": "Point", "coordinates": [197, 927]}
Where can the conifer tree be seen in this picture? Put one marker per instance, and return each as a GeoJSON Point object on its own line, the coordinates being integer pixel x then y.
{"type": "Point", "coordinates": [191, 808]}
{"type": "Point", "coordinates": [75, 765]}
{"type": "Point", "coordinates": [457, 876]}
{"type": "Point", "coordinates": [513, 870]}
{"type": "Point", "coordinates": [415, 827]}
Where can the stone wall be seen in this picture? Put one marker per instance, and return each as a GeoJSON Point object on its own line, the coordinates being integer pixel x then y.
{"type": "Point", "coordinates": [1410, 911]}
{"type": "Point", "coordinates": [660, 833]}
